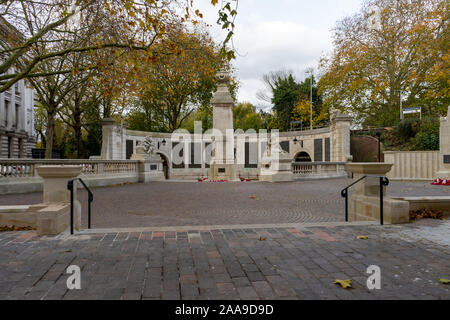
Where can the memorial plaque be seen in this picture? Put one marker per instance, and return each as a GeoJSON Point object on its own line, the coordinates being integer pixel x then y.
{"type": "Point", "coordinates": [153, 167]}
{"type": "Point", "coordinates": [181, 155]}
{"type": "Point", "coordinates": [251, 155]}
{"type": "Point", "coordinates": [447, 158]}
{"type": "Point", "coordinates": [327, 149]}
{"type": "Point", "coordinates": [196, 156]}
{"type": "Point", "coordinates": [221, 170]}
{"type": "Point", "coordinates": [285, 146]}
{"type": "Point", "coordinates": [129, 148]}
{"type": "Point", "coordinates": [318, 148]}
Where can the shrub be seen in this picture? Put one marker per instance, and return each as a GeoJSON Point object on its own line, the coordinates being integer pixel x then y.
{"type": "Point", "coordinates": [408, 128]}
{"type": "Point", "coordinates": [426, 141]}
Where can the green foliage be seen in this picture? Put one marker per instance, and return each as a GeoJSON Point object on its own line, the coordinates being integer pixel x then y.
{"type": "Point", "coordinates": [414, 135]}
{"type": "Point", "coordinates": [408, 128]}
{"type": "Point", "coordinates": [285, 94]}
{"type": "Point", "coordinates": [290, 98]}
{"type": "Point", "coordinates": [246, 117]}
{"type": "Point", "coordinates": [426, 141]}
{"type": "Point", "coordinates": [204, 114]}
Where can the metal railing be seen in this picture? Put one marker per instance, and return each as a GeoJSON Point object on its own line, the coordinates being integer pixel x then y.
{"type": "Point", "coordinates": [384, 181]}
{"type": "Point", "coordinates": [70, 185]}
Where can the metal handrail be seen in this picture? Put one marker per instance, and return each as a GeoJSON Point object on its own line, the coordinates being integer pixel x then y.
{"type": "Point", "coordinates": [384, 181]}
{"type": "Point", "coordinates": [90, 200]}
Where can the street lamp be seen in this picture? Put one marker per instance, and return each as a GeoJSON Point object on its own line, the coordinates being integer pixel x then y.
{"type": "Point", "coordinates": [401, 108]}
{"type": "Point", "coordinates": [310, 71]}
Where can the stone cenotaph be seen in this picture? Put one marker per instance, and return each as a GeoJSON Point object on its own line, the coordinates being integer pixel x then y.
{"type": "Point", "coordinates": [223, 165]}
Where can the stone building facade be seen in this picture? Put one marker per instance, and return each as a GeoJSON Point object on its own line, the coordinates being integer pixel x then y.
{"type": "Point", "coordinates": [17, 136]}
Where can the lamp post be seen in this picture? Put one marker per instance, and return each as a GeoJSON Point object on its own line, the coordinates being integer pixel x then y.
{"type": "Point", "coordinates": [310, 71]}
{"type": "Point", "coordinates": [401, 107]}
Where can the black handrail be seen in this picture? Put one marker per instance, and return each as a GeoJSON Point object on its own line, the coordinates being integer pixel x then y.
{"type": "Point", "coordinates": [90, 199]}
{"type": "Point", "coordinates": [344, 194]}
{"type": "Point", "coordinates": [384, 181]}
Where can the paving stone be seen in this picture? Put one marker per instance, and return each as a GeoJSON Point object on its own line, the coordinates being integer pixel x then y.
{"type": "Point", "coordinates": [232, 267]}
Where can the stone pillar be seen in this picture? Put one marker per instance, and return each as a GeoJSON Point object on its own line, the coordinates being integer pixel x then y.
{"type": "Point", "coordinates": [55, 182]}
{"type": "Point", "coordinates": [54, 218]}
{"type": "Point", "coordinates": [444, 153]}
{"type": "Point", "coordinates": [112, 140]}
{"type": "Point", "coordinates": [364, 204]}
{"type": "Point", "coordinates": [223, 164]}
{"type": "Point", "coordinates": [150, 166]}
{"type": "Point", "coordinates": [340, 137]}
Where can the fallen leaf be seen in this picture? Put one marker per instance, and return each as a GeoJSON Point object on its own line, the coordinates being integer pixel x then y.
{"type": "Point", "coordinates": [346, 284]}
{"type": "Point", "coordinates": [261, 239]}
{"type": "Point", "coordinates": [252, 197]}
{"type": "Point", "coordinates": [444, 281]}
{"type": "Point", "coordinates": [362, 237]}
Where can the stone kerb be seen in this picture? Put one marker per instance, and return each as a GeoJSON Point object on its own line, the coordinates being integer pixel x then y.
{"type": "Point", "coordinates": [365, 200]}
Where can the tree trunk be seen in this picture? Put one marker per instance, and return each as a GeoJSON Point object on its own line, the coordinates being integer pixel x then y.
{"type": "Point", "coordinates": [77, 129]}
{"type": "Point", "coordinates": [78, 137]}
{"type": "Point", "coordinates": [50, 132]}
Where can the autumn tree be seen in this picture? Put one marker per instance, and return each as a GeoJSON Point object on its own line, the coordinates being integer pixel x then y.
{"type": "Point", "coordinates": [403, 59]}
{"type": "Point", "coordinates": [33, 22]}
{"type": "Point", "coordinates": [176, 84]}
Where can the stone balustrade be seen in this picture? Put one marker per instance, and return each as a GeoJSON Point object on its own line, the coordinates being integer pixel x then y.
{"type": "Point", "coordinates": [26, 168]}
{"type": "Point", "coordinates": [303, 170]}
{"type": "Point", "coordinates": [21, 176]}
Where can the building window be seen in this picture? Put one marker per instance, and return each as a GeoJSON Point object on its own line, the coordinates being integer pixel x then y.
{"type": "Point", "coordinates": [21, 148]}
{"type": "Point", "coordinates": [17, 115]}
{"type": "Point", "coordinates": [9, 146]}
{"type": "Point", "coordinates": [6, 112]}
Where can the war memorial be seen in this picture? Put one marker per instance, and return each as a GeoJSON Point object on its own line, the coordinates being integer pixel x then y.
{"type": "Point", "coordinates": [223, 214]}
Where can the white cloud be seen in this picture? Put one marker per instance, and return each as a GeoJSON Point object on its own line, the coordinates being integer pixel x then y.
{"type": "Point", "coordinates": [265, 46]}
{"type": "Point", "coordinates": [283, 34]}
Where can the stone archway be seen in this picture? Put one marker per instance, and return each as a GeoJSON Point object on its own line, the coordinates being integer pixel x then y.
{"type": "Point", "coordinates": [302, 156]}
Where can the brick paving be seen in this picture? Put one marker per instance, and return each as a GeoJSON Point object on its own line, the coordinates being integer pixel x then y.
{"type": "Point", "coordinates": [270, 263]}
{"type": "Point", "coordinates": [193, 203]}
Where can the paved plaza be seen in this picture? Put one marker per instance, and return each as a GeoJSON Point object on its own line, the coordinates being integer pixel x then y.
{"type": "Point", "coordinates": [298, 262]}
{"type": "Point", "coordinates": [186, 240]}
{"type": "Point", "coordinates": [198, 204]}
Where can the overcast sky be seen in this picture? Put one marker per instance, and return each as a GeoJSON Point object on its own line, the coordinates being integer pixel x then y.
{"type": "Point", "coordinates": [279, 34]}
